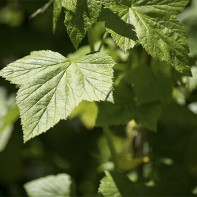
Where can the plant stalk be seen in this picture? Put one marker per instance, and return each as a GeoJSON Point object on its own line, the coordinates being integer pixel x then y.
{"type": "Point", "coordinates": [42, 9]}
{"type": "Point", "coordinates": [91, 40]}
{"type": "Point", "coordinates": [102, 41]}
{"type": "Point", "coordinates": [108, 135]}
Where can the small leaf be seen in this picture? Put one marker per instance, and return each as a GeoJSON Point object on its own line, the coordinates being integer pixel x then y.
{"type": "Point", "coordinates": [122, 32]}
{"type": "Point", "coordinates": [116, 184]}
{"type": "Point", "coordinates": [52, 86]}
{"type": "Point", "coordinates": [50, 186]}
{"type": "Point", "coordinates": [8, 115]}
{"type": "Point", "coordinates": [81, 19]}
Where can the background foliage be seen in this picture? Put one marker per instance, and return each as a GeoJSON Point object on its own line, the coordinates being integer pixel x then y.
{"type": "Point", "coordinates": [160, 99]}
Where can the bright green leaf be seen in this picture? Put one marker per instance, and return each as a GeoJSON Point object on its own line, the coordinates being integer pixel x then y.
{"type": "Point", "coordinates": [52, 86]}
{"type": "Point", "coordinates": [50, 186]}
{"type": "Point", "coordinates": [70, 5]}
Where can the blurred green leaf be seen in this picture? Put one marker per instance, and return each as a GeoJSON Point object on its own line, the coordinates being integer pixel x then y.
{"type": "Point", "coordinates": [11, 16]}
{"type": "Point", "coordinates": [147, 115]}
{"type": "Point", "coordinates": [6, 126]}
{"type": "Point", "coordinates": [8, 115]}
{"type": "Point", "coordinates": [116, 184]}
{"type": "Point", "coordinates": [51, 186]}
{"type": "Point", "coordinates": [87, 111]}
{"type": "Point", "coordinates": [189, 18]}
{"type": "Point", "coordinates": [150, 86]}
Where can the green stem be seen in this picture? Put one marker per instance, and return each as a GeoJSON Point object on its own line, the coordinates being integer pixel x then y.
{"type": "Point", "coordinates": [91, 40]}
{"type": "Point", "coordinates": [102, 41]}
{"type": "Point", "coordinates": [42, 9]}
{"type": "Point", "coordinates": [108, 136]}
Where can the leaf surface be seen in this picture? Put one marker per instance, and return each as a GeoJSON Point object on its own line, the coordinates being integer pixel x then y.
{"type": "Point", "coordinates": [122, 32]}
{"type": "Point", "coordinates": [87, 112]}
{"type": "Point", "coordinates": [52, 86]}
{"type": "Point", "coordinates": [8, 115]}
{"type": "Point", "coordinates": [158, 30]}
{"type": "Point", "coordinates": [116, 184]}
{"type": "Point", "coordinates": [57, 8]}
{"type": "Point", "coordinates": [50, 186]}
{"type": "Point", "coordinates": [78, 21]}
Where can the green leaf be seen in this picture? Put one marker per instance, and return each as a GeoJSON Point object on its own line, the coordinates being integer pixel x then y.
{"type": "Point", "coordinates": [87, 112]}
{"type": "Point", "coordinates": [8, 115]}
{"type": "Point", "coordinates": [148, 115]}
{"type": "Point", "coordinates": [116, 184]}
{"type": "Point", "coordinates": [69, 4]}
{"type": "Point", "coordinates": [59, 186]}
{"type": "Point", "coordinates": [189, 18]}
{"type": "Point", "coordinates": [57, 8]}
{"type": "Point", "coordinates": [191, 82]}
{"type": "Point", "coordinates": [107, 3]}
{"type": "Point", "coordinates": [52, 86]}
{"type": "Point", "coordinates": [122, 32]}
{"type": "Point", "coordinates": [150, 86]}
{"type": "Point", "coordinates": [6, 126]}
{"type": "Point", "coordinates": [158, 30]}
{"type": "Point", "coordinates": [80, 20]}
{"type": "Point", "coordinates": [121, 111]}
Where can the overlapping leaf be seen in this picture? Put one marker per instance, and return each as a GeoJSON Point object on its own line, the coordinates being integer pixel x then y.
{"type": "Point", "coordinates": [52, 86]}
{"type": "Point", "coordinates": [122, 32]}
{"type": "Point", "coordinates": [158, 29]}
{"type": "Point", "coordinates": [78, 21]}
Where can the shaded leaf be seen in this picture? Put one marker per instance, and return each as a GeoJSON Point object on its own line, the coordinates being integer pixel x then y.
{"type": "Point", "coordinates": [80, 20]}
{"type": "Point", "coordinates": [116, 184]}
{"type": "Point", "coordinates": [122, 32]}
